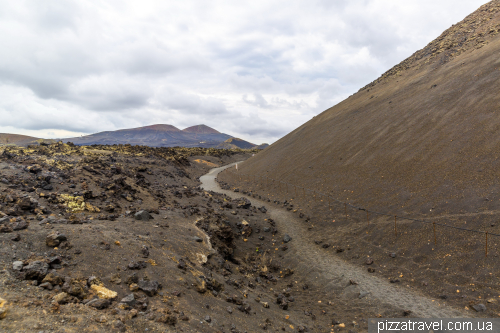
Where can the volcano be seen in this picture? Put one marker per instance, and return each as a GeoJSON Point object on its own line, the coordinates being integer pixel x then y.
{"type": "Point", "coordinates": [423, 139]}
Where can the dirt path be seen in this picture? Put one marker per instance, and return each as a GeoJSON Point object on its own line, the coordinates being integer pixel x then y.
{"type": "Point", "coordinates": [335, 272]}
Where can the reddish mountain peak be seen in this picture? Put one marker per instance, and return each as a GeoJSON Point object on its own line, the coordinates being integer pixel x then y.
{"type": "Point", "coordinates": [161, 128]}
{"type": "Point", "coordinates": [200, 129]}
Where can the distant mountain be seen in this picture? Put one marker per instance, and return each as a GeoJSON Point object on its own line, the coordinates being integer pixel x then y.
{"type": "Point", "coordinates": [262, 146]}
{"type": "Point", "coordinates": [234, 143]}
{"type": "Point", "coordinates": [160, 135]}
{"type": "Point", "coordinates": [200, 129]}
{"type": "Point", "coordinates": [19, 140]}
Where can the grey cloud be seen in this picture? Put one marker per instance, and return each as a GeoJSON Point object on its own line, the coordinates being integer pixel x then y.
{"type": "Point", "coordinates": [190, 104]}
{"type": "Point", "coordinates": [93, 66]}
{"type": "Point", "coordinates": [258, 100]}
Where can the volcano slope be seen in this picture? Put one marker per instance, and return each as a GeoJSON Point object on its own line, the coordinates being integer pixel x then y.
{"type": "Point", "coordinates": [422, 141]}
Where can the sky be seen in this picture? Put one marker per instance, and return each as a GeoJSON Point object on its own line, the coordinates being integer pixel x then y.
{"type": "Point", "coordinates": [254, 69]}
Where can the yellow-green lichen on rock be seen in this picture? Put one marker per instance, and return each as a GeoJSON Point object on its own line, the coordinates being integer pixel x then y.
{"type": "Point", "coordinates": [103, 292]}
{"type": "Point", "coordinates": [77, 204]}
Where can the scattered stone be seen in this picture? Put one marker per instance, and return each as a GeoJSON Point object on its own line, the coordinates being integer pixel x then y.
{"type": "Point", "coordinates": [129, 300]}
{"type": "Point", "coordinates": [145, 251]}
{"type": "Point", "coordinates": [229, 309]}
{"type": "Point", "coordinates": [17, 265]}
{"type": "Point", "coordinates": [5, 228]}
{"type": "Point", "coordinates": [16, 238]}
{"type": "Point", "coordinates": [137, 265]}
{"type": "Point", "coordinates": [479, 307]}
{"type": "Point", "coordinates": [115, 279]}
{"type": "Point", "coordinates": [363, 294]}
{"type": "Point", "coordinates": [19, 225]}
{"type": "Point", "coordinates": [142, 215]}
{"type": "Point", "coordinates": [102, 319]}
{"type": "Point", "coordinates": [46, 285]}
{"type": "Point", "coordinates": [62, 298]}
{"type": "Point", "coordinates": [36, 270]}
{"type": "Point", "coordinates": [149, 287]}
{"type": "Point", "coordinates": [208, 319]}
{"type": "Point", "coordinates": [99, 303]}
{"type": "Point", "coordinates": [53, 279]}
{"type": "Point", "coordinates": [244, 203]}
{"type": "Point", "coordinates": [132, 279]}
{"type": "Point", "coordinates": [287, 238]}
{"type": "Point", "coordinates": [197, 239]}
{"type": "Point", "coordinates": [118, 324]}
{"type": "Point", "coordinates": [392, 255]}
{"type": "Point", "coordinates": [282, 301]}
{"type": "Point", "coordinates": [371, 270]}
{"type": "Point", "coordinates": [181, 264]}
{"type": "Point", "coordinates": [369, 261]}
{"type": "Point", "coordinates": [74, 288]}
{"type": "Point", "coordinates": [94, 280]}
{"type": "Point", "coordinates": [55, 238]}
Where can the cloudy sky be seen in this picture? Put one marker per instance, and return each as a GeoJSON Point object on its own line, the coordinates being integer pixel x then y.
{"type": "Point", "coordinates": [253, 69]}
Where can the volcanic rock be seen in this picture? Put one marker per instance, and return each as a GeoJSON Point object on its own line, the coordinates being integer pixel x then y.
{"type": "Point", "coordinates": [55, 238]}
{"type": "Point", "coordinates": [36, 270]}
{"type": "Point", "coordinates": [142, 215]}
{"type": "Point", "coordinates": [149, 287]}
{"type": "Point", "coordinates": [99, 303]}
{"type": "Point", "coordinates": [17, 265]}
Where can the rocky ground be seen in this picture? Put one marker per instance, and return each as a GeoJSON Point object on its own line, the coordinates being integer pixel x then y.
{"type": "Point", "coordinates": [122, 238]}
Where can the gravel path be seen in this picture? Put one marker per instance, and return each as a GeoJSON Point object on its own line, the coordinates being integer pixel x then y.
{"type": "Point", "coordinates": [335, 270]}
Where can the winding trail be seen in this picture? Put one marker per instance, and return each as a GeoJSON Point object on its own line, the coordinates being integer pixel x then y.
{"type": "Point", "coordinates": [334, 271]}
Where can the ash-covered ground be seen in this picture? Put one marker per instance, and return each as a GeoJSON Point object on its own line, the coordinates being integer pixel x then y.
{"type": "Point", "coordinates": [122, 238]}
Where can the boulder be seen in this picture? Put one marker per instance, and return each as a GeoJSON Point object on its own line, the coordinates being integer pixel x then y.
{"type": "Point", "coordinates": [53, 279]}
{"type": "Point", "coordinates": [62, 298]}
{"type": "Point", "coordinates": [129, 300]}
{"type": "Point", "coordinates": [142, 215]}
{"type": "Point", "coordinates": [36, 270]}
{"type": "Point", "coordinates": [19, 225]}
{"type": "Point", "coordinates": [149, 287]}
{"type": "Point", "coordinates": [55, 238]}
{"type": "Point", "coordinates": [17, 265]}
{"type": "Point", "coordinates": [99, 303]}
{"type": "Point", "coordinates": [479, 307]}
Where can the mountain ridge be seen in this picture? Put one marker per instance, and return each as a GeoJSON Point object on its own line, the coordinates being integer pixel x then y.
{"type": "Point", "coordinates": [157, 135]}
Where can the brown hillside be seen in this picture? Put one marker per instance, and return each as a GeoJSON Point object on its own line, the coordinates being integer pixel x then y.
{"type": "Point", "coordinates": [235, 143]}
{"type": "Point", "coordinates": [422, 139]}
{"type": "Point", "coordinates": [16, 139]}
{"type": "Point", "coordinates": [200, 129]}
